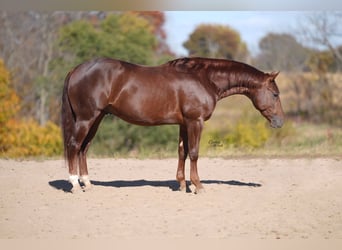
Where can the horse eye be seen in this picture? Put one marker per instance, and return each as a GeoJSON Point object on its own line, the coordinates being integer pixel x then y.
{"type": "Point", "coordinates": [275, 94]}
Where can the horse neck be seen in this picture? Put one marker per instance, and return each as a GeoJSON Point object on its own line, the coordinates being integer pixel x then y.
{"type": "Point", "coordinates": [237, 83]}
{"type": "Point", "coordinates": [235, 90]}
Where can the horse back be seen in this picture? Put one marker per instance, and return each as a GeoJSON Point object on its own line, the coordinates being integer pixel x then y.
{"type": "Point", "coordinates": [138, 94]}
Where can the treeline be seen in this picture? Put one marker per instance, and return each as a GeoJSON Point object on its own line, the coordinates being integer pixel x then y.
{"type": "Point", "coordinates": [39, 48]}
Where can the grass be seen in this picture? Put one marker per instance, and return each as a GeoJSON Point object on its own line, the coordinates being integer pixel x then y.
{"type": "Point", "coordinates": [309, 140]}
{"type": "Point", "coordinates": [299, 139]}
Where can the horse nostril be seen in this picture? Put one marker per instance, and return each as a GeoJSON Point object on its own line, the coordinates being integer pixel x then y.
{"type": "Point", "coordinates": [280, 124]}
{"type": "Point", "coordinates": [277, 122]}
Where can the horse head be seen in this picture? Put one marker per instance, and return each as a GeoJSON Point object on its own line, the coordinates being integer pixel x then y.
{"type": "Point", "coordinates": [266, 99]}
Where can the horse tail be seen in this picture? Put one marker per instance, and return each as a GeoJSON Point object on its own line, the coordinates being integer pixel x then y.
{"type": "Point", "coordinates": [68, 116]}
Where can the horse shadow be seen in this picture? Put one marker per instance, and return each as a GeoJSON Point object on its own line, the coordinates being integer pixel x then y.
{"type": "Point", "coordinates": [66, 186]}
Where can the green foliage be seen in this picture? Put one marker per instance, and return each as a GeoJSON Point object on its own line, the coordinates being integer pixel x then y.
{"type": "Point", "coordinates": [117, 137]}
{"type": "Point", "coordinates": [217, 41]}
{"type": "Point", "coordinates": [126, 36]}
{"type": "Point", "coordinates": [82, 39]}
{"type": "Point", "coordinates": [129, 37]}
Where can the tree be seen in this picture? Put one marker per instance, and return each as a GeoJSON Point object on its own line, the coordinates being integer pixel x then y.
{"type": "Point", "coordinates": [9, 101]}
{"type": "Point", "coordinates": [157, 20]}
{"type": "Point", "coordinates": [216, 41]}
{"type": "Point", "coordinates": [26, 44]}
{"type": "Point", "coordinates": [18, 137]}
{"type": "Point", "coordinates": [281, 52]}
{"type": "Point", "coordinates": [125, 36]}
{"type": "Point", "coordinates": [321, 29]}
{"type": "Point", "coordinates": [9, 105]}
{"type": "Point", "coordinates": [129, 37]}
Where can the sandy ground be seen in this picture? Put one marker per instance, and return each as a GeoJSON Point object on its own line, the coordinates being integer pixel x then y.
{"type": "Point", "coordinates": [130, 198]}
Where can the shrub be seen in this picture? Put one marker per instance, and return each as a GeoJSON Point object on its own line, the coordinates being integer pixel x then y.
{"type": "Point", "coordinates": [27, 138]}
{"type": "Point", "coordinates": [248, 132]}
{"type": "Point", "coordinates": [9, 105]}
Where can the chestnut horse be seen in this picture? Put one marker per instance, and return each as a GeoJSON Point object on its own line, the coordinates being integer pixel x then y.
{"type": "Point", "coordinates": [183, 91]}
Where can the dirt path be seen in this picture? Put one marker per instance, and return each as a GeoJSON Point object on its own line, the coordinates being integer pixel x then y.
{"type": "Point", "coordinates": [254, 198]}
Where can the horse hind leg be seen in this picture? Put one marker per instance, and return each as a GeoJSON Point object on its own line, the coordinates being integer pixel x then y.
{"type": "Point", "coordinates": [82, 157]}
{"type": "Point", "coordinates": [72, 149]}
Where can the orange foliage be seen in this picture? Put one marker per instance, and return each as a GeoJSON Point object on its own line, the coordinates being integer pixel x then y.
{"type": "Point", "coordinates": [9, 104]}
{"type": "Point", "coordinates": [20, 138]}
{"type": "Point", "coordinates": [27, 138]}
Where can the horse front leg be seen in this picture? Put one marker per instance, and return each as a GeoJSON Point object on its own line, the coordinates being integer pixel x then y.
{"type": "Point", "coordinates": [182, 155]}
{"type": "Point", "coordinates": [194, 129]}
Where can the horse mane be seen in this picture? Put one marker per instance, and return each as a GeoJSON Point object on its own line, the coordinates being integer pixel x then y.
{"type": "Point", "coordinates": [237, 72]}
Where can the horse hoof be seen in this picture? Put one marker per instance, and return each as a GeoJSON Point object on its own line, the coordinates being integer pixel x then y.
{"type": "Point", "coordinates": [76, 189]}
{"type": "Point", "coordinates": [199, 190]}
{"type": "Point", "coordinates": [87, 187]}
{"type": "Point", "coordinates": [182, 189]}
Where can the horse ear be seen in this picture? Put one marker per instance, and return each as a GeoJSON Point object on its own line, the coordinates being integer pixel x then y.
{"type": "Point", "coordinates": [274, 74]}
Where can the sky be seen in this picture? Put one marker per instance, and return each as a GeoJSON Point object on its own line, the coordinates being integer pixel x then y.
{"type": "Point", "coordinates": [252, 25]}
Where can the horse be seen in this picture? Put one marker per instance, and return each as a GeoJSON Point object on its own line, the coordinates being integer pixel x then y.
{"type": "Point", "coordinates": [181, 92]}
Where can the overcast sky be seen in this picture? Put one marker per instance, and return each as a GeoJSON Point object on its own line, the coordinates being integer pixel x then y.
{"type": "Point", "coordinates": [252, 25]}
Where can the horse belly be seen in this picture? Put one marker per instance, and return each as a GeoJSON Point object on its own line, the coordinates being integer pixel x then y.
{"type": "Point", "coordinates": [146, 109]}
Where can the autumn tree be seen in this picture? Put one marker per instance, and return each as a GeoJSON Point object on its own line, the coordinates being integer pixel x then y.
{"type": "Point", "coordinates": [20, 137]}
{"type": "Point", "coordinates": [282, 52]}
{"type": "Point", "coordinates": [157, 20]}
{"type": "Point", "coordinates": [9, 105]}
{"type": "Point", "coordinates": [27, 46]}
{"type": "Point", "coordinates": [321, 29]}
{"type": "Point", "coordinates": [217, 41]}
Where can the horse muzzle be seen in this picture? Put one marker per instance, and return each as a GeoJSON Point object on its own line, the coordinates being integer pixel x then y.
{"type": "Point", "coordinates": [276, 122]}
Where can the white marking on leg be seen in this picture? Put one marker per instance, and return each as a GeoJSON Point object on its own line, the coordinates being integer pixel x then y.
{"type": "Point", "coordinates": [181, 144]}
{"type": "Point", "coordinates": [73, 180]}
{"type": "Point", "coordinates": [86, 181]}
